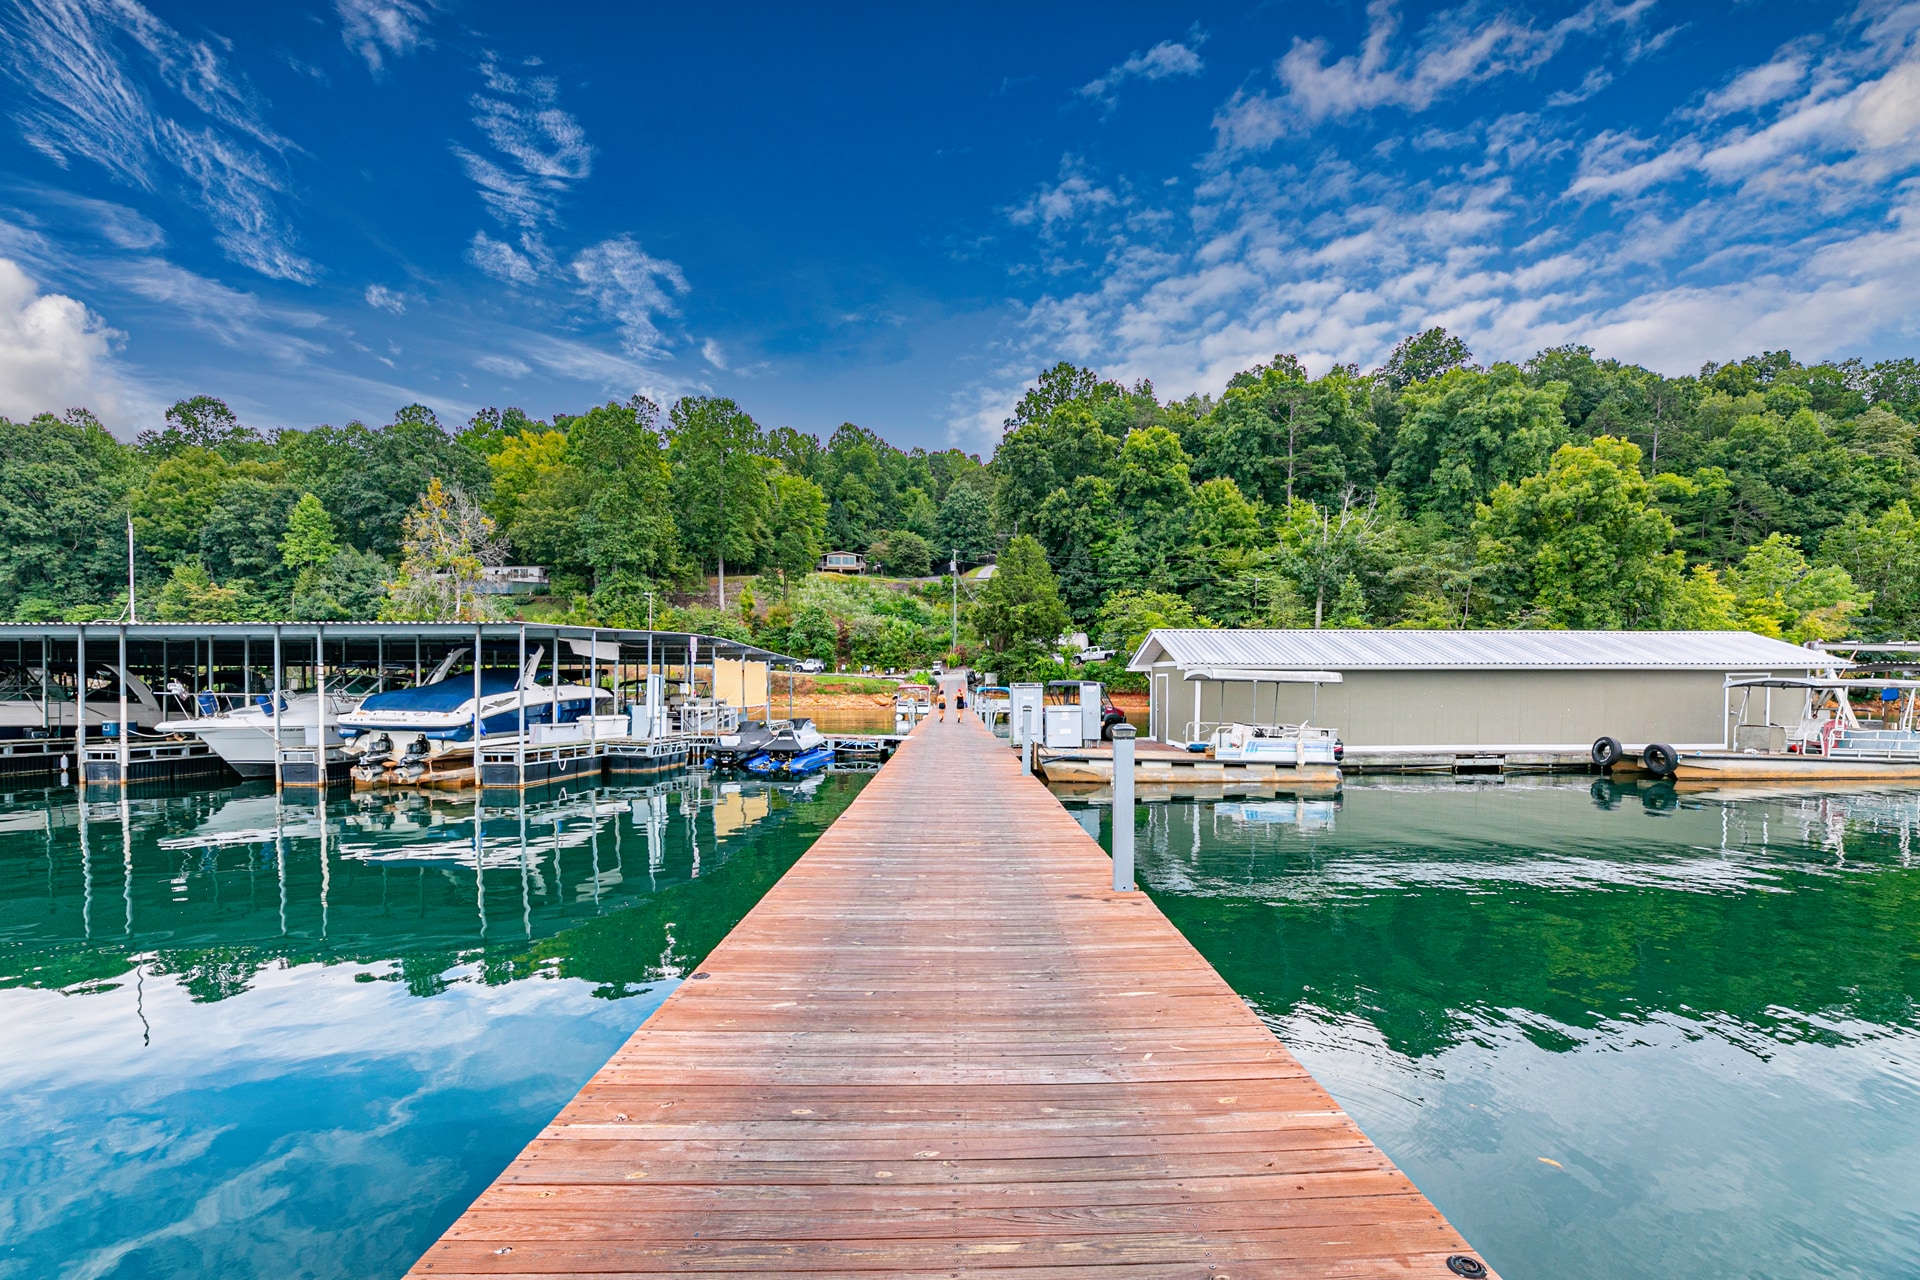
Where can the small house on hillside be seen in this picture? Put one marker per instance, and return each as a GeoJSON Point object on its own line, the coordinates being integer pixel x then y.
{"type": "Point", "coordinates": [843, 562]}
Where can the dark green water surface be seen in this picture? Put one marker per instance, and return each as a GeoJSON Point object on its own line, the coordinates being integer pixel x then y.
{"type": "Point", "coordinates": [244, 1039]}
{"type": "Point", "coordinates": [1611, 1033]}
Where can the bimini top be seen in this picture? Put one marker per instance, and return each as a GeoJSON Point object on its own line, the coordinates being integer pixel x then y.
{"type": "Point", "coordinates": [1478, 650]}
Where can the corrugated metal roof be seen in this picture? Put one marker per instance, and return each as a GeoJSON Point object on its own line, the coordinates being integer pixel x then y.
{"type": "Point", "coordinates": [1357, 650]}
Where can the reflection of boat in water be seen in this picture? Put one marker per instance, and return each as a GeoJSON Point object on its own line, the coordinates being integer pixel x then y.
{"type": "Point", "coordinates": [240, 727]}
{"type": "Point", "coordinates": [1304, 814]}
{"type": "Point", "coordinates": [1287, 757]}
{"type": "Point", "coordinates": [247, 820]}
{"type": "Point", "coordinates": [424, 735]}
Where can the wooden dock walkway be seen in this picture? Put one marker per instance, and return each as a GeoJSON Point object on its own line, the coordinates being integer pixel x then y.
{"type": "Point", "coordinates": [942, 1045]}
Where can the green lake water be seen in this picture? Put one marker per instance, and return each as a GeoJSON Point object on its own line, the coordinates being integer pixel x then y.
{"type": "Point", "coordinates": [1610, 1032]}
{"type": "Point", "coordinates": [243, 1039]}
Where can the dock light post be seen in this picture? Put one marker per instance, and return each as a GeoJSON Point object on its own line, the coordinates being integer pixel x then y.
{"type": "Point", "coordinates": [1026, 740]}
{"type": "Point", "coordinates": [1123, 808]}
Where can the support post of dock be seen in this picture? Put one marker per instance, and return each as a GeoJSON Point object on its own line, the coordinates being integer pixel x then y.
{"type": "Point", "coordinates": [123, 699]}
{"type": "Point", "coordinates": [279, 682]}
{"type": "Point", "coordinates": [80, 707]}
{"type": "Point", "coordinates": [1123, 735]}
{"type": "Point", "coordinates": [1026, 741]}
{"type": "Point", "coordinates": [520, 747]}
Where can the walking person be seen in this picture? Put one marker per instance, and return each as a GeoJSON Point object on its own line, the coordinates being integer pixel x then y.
{"type": "Point", "coordinates": [940, 699]}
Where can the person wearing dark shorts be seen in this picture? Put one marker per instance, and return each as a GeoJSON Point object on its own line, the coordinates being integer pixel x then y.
{"type": "Point", "coordinates": [940, 700]}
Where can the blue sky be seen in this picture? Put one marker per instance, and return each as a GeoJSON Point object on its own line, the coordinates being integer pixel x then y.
{"type": "Point", "coordinates": [323, 211]}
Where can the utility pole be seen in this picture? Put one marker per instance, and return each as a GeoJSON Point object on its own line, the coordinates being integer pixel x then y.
{"type": "Point", "coordinates": [953, 567]}
{"type": "Point", "coordinates": [131, 616]}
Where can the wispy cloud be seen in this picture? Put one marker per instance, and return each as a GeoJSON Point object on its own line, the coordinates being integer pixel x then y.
{"type": "Point", "coordinates": [377, 29]}
{"type": "Point", "coordinates": [542, 149]}
{"type": "Point", "coordinates": [504, 366]}
{"type": "Point", "coordinates": [385, 299]}
{"type": "Point", "coordinates": [501, 260]}
{"type": "Point", "coordinates": [86, 104]}
{"type": "Point", "coordinates": [1457, 48]}
{"type": "Point", "coordinates": [632, 287]}
{"type": "Point", "coordinates": [1164, 61]}
{"type": "Point", "coordinates": [1066, 201]}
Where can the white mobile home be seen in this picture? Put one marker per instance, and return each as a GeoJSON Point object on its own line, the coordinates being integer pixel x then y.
{"type": "Point", "coordinates": [1432, 696]}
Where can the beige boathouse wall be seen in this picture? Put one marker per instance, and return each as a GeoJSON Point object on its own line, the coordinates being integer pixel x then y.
{"type": "Point", "coordinates": [1472, 708]}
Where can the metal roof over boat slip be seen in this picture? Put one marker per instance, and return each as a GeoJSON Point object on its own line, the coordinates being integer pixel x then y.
{"type": "Point", "coordinates": [1478, 650]}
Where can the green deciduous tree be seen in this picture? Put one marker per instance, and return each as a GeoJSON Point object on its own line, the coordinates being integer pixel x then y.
{"type": "Point", "coordinates": [1777, 593]}
{"type": "Point", "coordinates": [1021, 607]}
{"type": "Point", "coordinates": [1580, 546]}
{"type": "Point", "coordinates": [173, 503]}
{"type": "Point", "coordinates": [308, 541]}
{"type": "Point", "coordinates": [719, 486]}
{"type": "Point", "coordinates": [64, 485]}
{"type": "Point", "coordinates": [965, 527]}
{"type": "Point", "coordinates": [1467, 433]}
{"type": "Point", "coordinates": [795, 530]}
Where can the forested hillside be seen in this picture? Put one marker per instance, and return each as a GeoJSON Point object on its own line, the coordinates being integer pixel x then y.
{"type": "Point", "coordinates": [1567, 491]}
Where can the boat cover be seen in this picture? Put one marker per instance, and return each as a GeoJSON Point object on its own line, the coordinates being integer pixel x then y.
{"type": "Point", "coordinates": [445, 695]}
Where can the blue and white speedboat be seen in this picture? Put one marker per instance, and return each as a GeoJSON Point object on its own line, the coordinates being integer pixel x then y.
{"type": "Point", "coordinates": [404, 732]}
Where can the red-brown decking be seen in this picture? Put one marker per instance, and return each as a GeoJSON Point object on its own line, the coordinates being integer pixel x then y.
{"type": "Point", "coordinates": [942, 1045]}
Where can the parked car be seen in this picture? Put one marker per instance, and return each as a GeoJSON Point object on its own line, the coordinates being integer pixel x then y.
{"type": "Point", "coordinates": [1093, 655]}
{"type": "Point", "coordinates": [811, 666]}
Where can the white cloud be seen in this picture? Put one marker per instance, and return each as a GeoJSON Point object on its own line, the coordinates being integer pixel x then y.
{"type": "Point", "coordinates": [714, 354]}
{"type": "Point", "coordinates": [87, 105]}
{"type": "Point", "coordinates": [1164, 61]}
{"type": "Point", "coordinates": [500, 260]}
{"type": "Point", "coordinates": [233, 317]}
{"type": "Point", "coordinates": [544, 149]}
{"type": "Point", "coordinates": [1068, 201]}
{"type": "Point", "coordinates": [1757, 86]}
{"type": "Point", "coordinates": [55, 354]}
{"type": "Point", "coordinates": [375, 29]}
{"type": "Point", "coordinates": [1793, 221]}
{"type": "Point", "coordinates": [633, 288]}
{"type": "Point", "coordinates": [378, 295]}
{"type": "Point", "coordinates": [505, 366]}
{"type": "Point", "coordinates": [1456, 48]}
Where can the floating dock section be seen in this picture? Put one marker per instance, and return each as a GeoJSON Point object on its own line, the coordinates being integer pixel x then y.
{"type": "Point", "coordinates": [942, 1045]}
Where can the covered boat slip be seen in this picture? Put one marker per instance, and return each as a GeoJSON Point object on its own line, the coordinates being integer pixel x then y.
{"type": "Point", "coordinates": [670, 690]}
{"type": "Point", "coordinates": [1431, 699]}
{"type": "Point", "coordinates": [1808, 729]}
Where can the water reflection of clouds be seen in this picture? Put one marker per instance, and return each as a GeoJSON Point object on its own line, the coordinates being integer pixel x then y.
{"type": "Point", "coordinates": [1674, 1150]}
{"type": "Point", "coordinates": [309, 1116]}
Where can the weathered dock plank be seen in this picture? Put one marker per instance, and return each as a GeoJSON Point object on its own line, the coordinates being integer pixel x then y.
{"type": "Point", "coordinates": [942, 1045]}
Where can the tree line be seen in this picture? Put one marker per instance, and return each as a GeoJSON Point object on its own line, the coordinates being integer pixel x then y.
{"type": "Point", "coordinates": [1563, 491]}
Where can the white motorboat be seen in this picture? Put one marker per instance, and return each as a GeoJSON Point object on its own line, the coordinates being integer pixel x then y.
{"type": "Point", "coordinates": [397, 735]}
{"type": "Point", "coordinates": [240, 727]}
{"type": "Point", "coordinates": [33, 698]}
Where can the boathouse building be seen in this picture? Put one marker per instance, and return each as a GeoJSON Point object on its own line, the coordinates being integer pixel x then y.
{"type": "Point", "coordinates": [1433, 698]}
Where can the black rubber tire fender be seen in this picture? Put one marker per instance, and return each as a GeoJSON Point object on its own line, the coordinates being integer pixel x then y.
{"type": "Point", "coordinates": [1660, 759]}
{"type": "Point", "coordinates": [1607, 752]}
